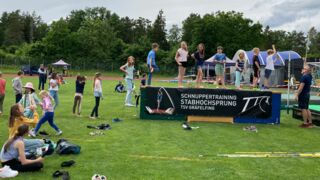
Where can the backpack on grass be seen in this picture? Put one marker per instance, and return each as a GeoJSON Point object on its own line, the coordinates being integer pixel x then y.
{"type": "Point", "coordinates": [65, 147]}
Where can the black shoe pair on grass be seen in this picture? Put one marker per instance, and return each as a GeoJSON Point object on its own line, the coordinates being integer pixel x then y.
{"type": "Point", "coordinates": [64, 174]}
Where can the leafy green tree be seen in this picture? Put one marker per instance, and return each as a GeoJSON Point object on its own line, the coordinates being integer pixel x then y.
{"type": "Point", "coordinates": [158, 31]}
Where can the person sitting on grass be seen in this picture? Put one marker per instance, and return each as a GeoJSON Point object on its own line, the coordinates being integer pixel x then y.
{"type": "Point", "coordinates": [7, 172]}
{"type": "Point", "coordinates": [13, 153]}
{"type": "Point", "coordinates": [303, 97]}
{"type": "Point", "coordinates": [128, 68]}
{"type": "Point", "coordinates": [29, 100]}
{"type": "Point", "coordinates": [48, 114]}
{"type": "Point", "coordinates": [16, 120]}
{"type": "Point", "coordinates": [80, 83]}
{"type": "Point", "coordinates": [119, 87]}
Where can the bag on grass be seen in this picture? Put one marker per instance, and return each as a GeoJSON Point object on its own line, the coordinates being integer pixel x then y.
{"type": "Point", "coordinates": [65, 147]}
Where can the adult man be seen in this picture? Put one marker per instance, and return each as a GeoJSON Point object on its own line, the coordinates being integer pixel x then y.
{"type": "Point", "coordinates": [303, 96]}
{"type": "Point", "coordinates": [42, 76]}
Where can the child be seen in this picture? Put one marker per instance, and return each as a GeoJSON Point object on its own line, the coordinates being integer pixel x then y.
{"type": "Point", "coordinates": [17, 119]}
{"type": "Point", "coordinates": [256, 67]}
{"type": "Point", "coordinates": [48, 114]}
{"type": "Point", "coordinates": [219, 59]}
{"type": "Point", "coordinates": [128, 68]}
{"type": "Point", "coordinates": [239, 69]}
{"type": "Point", "coordinates": [17, 86]}
{"type": "Point", "coordinates": [270, 66]}
{"type": "Point", "coordinates": [80, 83]}
{"type": "Point", "coordinates": [119, 87]}
{"type": "Point", "coordinates": [199, 57]}
{"type": "Point", "coordinates": [29, 100]}
{"type": "Point", "coordinates": [97, 91]}
{"type": "Point", "coordinates": [54, 88]}
{"type": "Point", "coordinates": [2, 92]}
{"type": "Point", "coordinates": [181, 59]}
{"type": "Point", "coordinates": [143, 80]}
{"type": "Point", "coordinates": [151, 62]}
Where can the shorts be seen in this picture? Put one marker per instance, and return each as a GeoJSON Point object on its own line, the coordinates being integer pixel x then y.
{"type": "Point", "coordinates": [303, 101]}
{"type": "Point", "coordinates": [267, 73]}
{"type": "Point", "coordinates": [219, 69]}
{"type": "Point", "coordinates": [199, 64]}
{"type": "Point", "coordinates": [256, 73]}
{"type": "Point", "coordinates": [184, 64]}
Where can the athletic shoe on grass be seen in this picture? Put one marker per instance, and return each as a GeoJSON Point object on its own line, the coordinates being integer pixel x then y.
{"type": "Point", "coordinates": [59, 133]}
{"type": "Point", "coordinates": [129, 105]}
{"type": "Point", "coordinates": [7, 172]}
{"type": "Point", "coordinates": [32, 133]}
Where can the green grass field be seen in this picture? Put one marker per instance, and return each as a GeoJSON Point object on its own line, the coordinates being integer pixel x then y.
{"type": "Point", "coordinates": [143, 149]}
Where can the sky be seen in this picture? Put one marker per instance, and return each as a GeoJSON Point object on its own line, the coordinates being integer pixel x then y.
{"type": "Point", "coordinates": [287, 15]}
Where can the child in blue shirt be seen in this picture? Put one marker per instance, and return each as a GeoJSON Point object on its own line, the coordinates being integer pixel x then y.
{"type": "Point", "coordinates": [151, 62]}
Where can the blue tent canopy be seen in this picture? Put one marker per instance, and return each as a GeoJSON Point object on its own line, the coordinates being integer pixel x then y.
{"type": "Point", "coordinates": [281, 57]}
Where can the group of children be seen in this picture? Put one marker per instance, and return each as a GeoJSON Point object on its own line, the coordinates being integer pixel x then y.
{"type": "Point", "coordinates": [219, 59]}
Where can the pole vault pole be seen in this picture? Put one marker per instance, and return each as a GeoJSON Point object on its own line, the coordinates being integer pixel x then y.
{"type": "Point", "coordinates": [288, 93]}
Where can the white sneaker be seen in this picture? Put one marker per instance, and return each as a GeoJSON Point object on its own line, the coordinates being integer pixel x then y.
{"type": "Point", "coordinates": [7, 172]}
{"type": "Point", "coordinates": [59, 133]}
{"type": "Point", "coordinates": [32, 133]}
{"type": "Point", "coordinates": [92, 117]}
{"type": "Point", "coordinates": [129, 105]}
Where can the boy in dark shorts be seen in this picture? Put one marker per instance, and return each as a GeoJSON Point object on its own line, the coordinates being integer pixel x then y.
{"type": "Point", "coordinates": [303, 96]}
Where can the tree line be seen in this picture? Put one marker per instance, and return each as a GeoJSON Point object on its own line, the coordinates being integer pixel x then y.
{"type": "Point", "coordinates": [96, 38]}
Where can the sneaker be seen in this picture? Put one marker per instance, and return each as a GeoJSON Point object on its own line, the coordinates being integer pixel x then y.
{"type": "Point", "coordinates": [103, 177]}
{"type": "Point", "coordinates": [310, 125]}
{"type": "Point", "coordinates": [116, 120]}
{"type": "Point", "coordinates": [7, 172]}
{"type": "Point", "coordinates": [32, 133]}
{"type": "Point", "coordinates": [92, 117]}
{"type": "Point", "coordinates": [96, 177]}
{"type": "Point", "coordinates": [129, 105]}
{"type": "Point", "coordinates": [59, 133]}
{"type": "Point", "coordinates": [304, 125]}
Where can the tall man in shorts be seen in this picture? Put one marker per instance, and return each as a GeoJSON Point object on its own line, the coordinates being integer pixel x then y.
{"type": "Point", "coordinates": [303, 96]}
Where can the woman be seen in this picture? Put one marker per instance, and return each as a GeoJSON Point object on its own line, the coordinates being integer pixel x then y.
{"type": "Point", "coordinates": [199, 57]}
{"type": "Point", "coordinates": [29, 100]}
{"type": "Point", "coordinates": [97, 91]}
{"type": "Point", "coordinates": [54, 88]}
{"type": "Point", "coordinates": [240, 68]}
{"type": "Point", "coordinates": [13, 155]}
{"type": "Point", "coordinates": [181, 59]}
